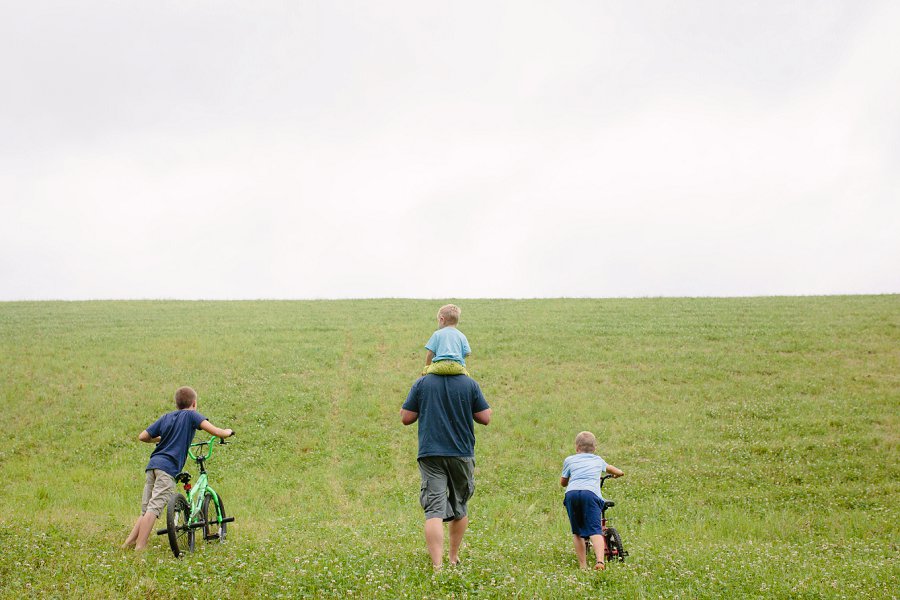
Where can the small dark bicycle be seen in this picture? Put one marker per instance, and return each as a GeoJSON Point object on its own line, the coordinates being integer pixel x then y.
{"type": "Point", "coordinates": [200, 507]}
{"type": "Point", "coordinates": [614, 548]}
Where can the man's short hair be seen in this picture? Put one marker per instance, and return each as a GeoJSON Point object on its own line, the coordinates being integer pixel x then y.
{"type": "Point", "coordinates": [450, 312]}
{"type": "Point", "coordinates": [185, 397]}
{"type": "Point", "coordinates": [585, 442]}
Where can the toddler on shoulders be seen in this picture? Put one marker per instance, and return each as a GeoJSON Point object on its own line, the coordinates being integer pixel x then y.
{"type": "Point", "coordinates": [448, 347]}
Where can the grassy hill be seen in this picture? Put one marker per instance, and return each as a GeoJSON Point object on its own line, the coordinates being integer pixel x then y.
{"type": "Point", "coordinates": [759, 437]}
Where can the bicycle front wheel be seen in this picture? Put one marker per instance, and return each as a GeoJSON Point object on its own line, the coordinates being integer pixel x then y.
{"type": "Point", "coordinates": [178, 520]}
{"type": "Point", "coordinates": [614, 548]}
{"type": "Point", "coordinates": [213, 529]}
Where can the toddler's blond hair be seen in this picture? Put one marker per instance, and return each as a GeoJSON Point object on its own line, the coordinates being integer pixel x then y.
{"type": "Point", "coordinates": [450, 312]}
{"type": "Point", "coordinates": [585, 442]}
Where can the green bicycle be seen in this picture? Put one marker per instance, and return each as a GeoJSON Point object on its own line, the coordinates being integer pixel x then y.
{"type": "Point", "coordinates": [200, 507]}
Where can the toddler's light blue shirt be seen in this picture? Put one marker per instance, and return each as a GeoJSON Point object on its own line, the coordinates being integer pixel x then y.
{"type": "Point", "coordinates": [584, 471]}
{"type": "Point", "coordinates": [449, 343]}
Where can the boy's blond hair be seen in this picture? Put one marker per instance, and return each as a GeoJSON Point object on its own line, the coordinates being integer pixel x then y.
{"type": "Point", "coordinates": [585, 442]}
{"type": "Point", "coordinates": [185, 397]}
{"type": "Point", "coordinates": [450, 312]}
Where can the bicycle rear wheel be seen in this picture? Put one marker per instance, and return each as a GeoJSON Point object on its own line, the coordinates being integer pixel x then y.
{"type": "Point", "coordinates": [178, 518]}
{"type": "Point", "coordinates": [213, 529]}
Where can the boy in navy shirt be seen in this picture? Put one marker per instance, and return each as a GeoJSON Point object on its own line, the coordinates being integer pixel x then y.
{"type": "Point", "coordinates": [581, 477]}
{"type": "Point", "coordinates": [173, 433]}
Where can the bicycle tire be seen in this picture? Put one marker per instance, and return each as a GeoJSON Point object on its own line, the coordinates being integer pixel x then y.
{"type": "Point", "coordinates": [213, 529]}
{"type": "Point", "coordinates": [614, 548]}
{"type": "Point", "coordinates": [178, 517]}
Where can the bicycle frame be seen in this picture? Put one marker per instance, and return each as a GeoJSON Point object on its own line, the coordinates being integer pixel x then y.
{"type": "Point", "coordinates": [196, 492]}
{"type": "Point", "coordinates": [606, 505]}
{"type": "Point", "coordinates": [199, 507]}
{"type": "Point", "coordinates": [609, 533]}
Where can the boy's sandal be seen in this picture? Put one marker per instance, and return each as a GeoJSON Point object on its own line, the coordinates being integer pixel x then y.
{"type": "Point", "coordinates": [600, 566]}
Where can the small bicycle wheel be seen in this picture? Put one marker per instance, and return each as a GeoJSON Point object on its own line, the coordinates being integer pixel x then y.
{"type": "Point", "coordinates": [178, 517]}
{"type": "Point", "coordinates": [614, 549]}
{"type": "Point", "coordinates": [213, 529]}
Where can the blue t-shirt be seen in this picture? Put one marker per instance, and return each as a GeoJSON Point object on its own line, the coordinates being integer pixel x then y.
{"type": "Point", "coordinates": [584, 471]}
{"type": "Point", "coordinates": [175, 430]}
{"type": "Point", "coordinates": [449, 343]}
{"type": "Point", "coordinates": [445, 404]}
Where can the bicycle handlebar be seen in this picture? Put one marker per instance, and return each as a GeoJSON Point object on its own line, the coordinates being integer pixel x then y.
{"type": "Point", "coordinates": [208, 443]}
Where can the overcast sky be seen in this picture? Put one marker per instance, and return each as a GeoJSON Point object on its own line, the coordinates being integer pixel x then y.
{"type": "Point", "coordinates": [448, 149]}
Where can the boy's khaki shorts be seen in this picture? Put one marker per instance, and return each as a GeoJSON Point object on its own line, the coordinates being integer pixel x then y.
{"type": "Point", "coordinates": [447, 484]}
{"type": "Point", "coordinates": [157, 491]}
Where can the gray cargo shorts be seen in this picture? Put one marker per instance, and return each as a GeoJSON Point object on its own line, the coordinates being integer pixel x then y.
{"type": "Point", "coordinates": [447, 484]}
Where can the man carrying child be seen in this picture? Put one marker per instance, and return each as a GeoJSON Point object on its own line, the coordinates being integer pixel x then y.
{"type": "Point", "coordinates": [445, 407]}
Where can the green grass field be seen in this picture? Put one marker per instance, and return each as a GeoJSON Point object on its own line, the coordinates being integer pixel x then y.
{"type": "Point", "coordinates": [759, 437]}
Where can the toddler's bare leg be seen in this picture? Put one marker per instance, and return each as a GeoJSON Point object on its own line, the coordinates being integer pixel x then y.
{"type": "Point", "coordinates": [580, 551]}
{"type": "Point", "coordinates": [599, 544]}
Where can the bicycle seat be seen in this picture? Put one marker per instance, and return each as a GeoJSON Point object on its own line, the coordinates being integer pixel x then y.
{"type": "Point", "coordinates": [608, 504]}
{"type": "Point", "coordinates": [183, 477]}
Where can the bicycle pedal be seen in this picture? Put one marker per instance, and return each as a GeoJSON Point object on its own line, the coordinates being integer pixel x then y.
{"type": "Point", "coordinates": [213, 536]}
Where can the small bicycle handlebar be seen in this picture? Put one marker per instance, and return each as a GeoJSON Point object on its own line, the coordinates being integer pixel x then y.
{"type": "Point", "coordinates": [209, 443]}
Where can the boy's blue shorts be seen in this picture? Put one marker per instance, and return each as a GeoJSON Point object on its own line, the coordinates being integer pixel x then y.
{"type": "Point", "coordinates": [585, 510]}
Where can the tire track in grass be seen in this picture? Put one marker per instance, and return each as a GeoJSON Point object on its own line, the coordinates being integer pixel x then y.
{"type": "Point", "coordinates": [336, 436]}
{"type": "Point", "coordinates": [397, 451]}
{"type": "Point", "coordinates": [402, 445]}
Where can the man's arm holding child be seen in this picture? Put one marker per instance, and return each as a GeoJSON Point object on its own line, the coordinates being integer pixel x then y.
{"type": "Point", "coordinates": [213, 430]}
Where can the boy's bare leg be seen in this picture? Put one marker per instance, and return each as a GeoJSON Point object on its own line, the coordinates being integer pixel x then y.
{"type": "Point", "coordinates": [146, 526]}
{"type": "Point", "coordinates": [580, 551]}
{"type": "Point", "coordinates": [434, 539]}
{"type": "Point", "coordinates": [599, 544]}
{"type": "Point", "coordinates": [132, 537]}
{"type": "Point", "coordinates": [457, 530]}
